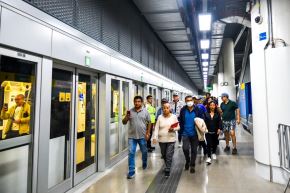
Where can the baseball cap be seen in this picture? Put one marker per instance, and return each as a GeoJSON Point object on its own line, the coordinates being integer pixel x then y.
{"type": "Point", "coordinates": [225, 95]}
{"type": "Point", "coordinates": [164, 100]}
{"type": "Point", "coordinates": [175, 93]}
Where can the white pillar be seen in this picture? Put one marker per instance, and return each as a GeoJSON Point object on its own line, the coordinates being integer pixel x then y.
{"type": "Point", "coordinates": [226, 75]}
{"type": "Point", "coordinates": [214, 91]}
{"type": "Point", "coordinates": [270, 77]}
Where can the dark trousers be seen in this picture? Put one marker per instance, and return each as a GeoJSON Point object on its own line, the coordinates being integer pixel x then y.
{"type": "Point", "coordinates": [167, 152]}
{"type": "Point", "coordinates": [211, 139]}
{"type": "Point", "coordinates": [179, 137]}
{"type": "Point", "coordinates": [149, 146]}
{"type": "Point", "coordinates": [190, 143]}
{"type": "Point", "coordinates": [203, 145]}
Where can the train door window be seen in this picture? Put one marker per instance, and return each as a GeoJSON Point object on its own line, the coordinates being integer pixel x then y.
{"type": "Point", "coordinates": [60, 127]}
{"type": "Point", "coordinates": [17, 99]}
{"type": "Point", "coordinates": [114, 122]}
{"type": "Point", "coordinates": [125, 107]}
{"type": "Point", "coordinates": [86, 121]}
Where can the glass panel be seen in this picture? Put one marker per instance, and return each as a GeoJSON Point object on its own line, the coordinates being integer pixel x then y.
{"type": "Point", "coordinates": [86, 125]}
{"type": "Point", "coordinates": [167, 95]}
{"type": "Point", "coordinates": [159, 97]}
{"type": "Point", "coordinates": [135, 89]}
{"type": "Point", "coordinates": [60, 124]}
{"type": "Point", "coordinates": [114, 122]}
{"type": "Point", "coordinates": [17, 97]}
{"type": "Point", "coordinates": [125, 104]}
{"type": "Point", "coordinates": [154, 97]}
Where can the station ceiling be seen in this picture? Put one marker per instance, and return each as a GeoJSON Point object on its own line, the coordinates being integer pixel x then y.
{"type": "Point", "coordinates": [176, 24]}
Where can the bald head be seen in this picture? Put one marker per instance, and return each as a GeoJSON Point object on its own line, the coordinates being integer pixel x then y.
{"type": "Point", "coordinates": [19, 99]}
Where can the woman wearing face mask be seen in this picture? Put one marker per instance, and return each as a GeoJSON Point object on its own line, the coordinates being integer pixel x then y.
{"type": "Point", "coordinates": [188, 132]}
{"type": "Point", "coordinates": [214, 125]}
{"type": "Point", "coordinates": [165, 134]}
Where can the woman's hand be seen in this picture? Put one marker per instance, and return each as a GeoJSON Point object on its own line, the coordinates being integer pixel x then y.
{"type": "Point", "coordinates": [219, 131]}
{"type": "Point", "coordinates": [171, 129]}
{"type": "Point", "coordinates": [154, 141]}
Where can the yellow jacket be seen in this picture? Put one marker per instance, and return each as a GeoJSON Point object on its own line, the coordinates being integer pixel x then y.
{"type": "Point", "coordinates": [24, 118]}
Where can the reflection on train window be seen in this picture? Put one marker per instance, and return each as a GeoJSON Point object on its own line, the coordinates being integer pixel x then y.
{"type": "Point", "coordinates": [17, 92]}
{"type": "Point", "coordinates": [60, 124]}
{"type": "Point", "coordinates": [125, 107]}
{"type": "Point", "coordinates": [86, 108]}
{"type": "Point", "coordinates": [114, 123]}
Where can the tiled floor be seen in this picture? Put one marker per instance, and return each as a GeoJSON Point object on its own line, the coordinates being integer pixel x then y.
{"type": "Point", "coordinates": [228, 174]}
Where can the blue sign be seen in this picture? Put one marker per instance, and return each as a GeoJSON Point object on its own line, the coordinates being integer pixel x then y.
{"type": "Point", "coordinates": [263, 36]}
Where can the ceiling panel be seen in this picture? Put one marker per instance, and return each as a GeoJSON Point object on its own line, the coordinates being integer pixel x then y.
{"type": "Point", "coordinates": [165, 19]}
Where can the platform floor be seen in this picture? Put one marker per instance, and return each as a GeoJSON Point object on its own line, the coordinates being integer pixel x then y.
{"type": "Point", "coordinates": [228, 174]}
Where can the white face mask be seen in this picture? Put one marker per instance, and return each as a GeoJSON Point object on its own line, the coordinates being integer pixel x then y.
{"type": "Point", "coordinates": [189, 104]}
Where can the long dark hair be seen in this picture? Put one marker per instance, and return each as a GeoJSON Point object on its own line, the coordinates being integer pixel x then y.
{"type": "Point", "coordinates": [208, 109]}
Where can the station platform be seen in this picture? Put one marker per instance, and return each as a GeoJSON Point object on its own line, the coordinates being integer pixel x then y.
{"type": "Point", "coordinates": [228, 174]}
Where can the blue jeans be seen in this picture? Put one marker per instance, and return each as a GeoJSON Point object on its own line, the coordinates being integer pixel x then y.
{"type": "Point", "coordinates": [132, 151]}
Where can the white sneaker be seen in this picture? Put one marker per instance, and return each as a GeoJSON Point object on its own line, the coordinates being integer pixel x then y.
{"type": "Point", "coordinates": [180, 145]}
{"type": "Point", "coordinates": [208, 160]}
{"type": "Point", "coordinates": [213, 156]}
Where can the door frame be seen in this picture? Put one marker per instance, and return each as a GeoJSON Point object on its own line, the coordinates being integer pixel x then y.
{"type": "Point", "coordinates": [91, 169]}
{"type": "Point", "coordinates": [115, 158]}
{"type": "Point", "coordinates": [33, 138]}
{"type": "Point", "coordinates": [68, 183]}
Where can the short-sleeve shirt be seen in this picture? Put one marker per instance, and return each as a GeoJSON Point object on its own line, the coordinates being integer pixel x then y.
{"type": "Point", "coordinates": [229, 110]}
{"type": "Point", "coordinates": [138, 123]}
{"type": "Point", "coordinates": [176, 107]}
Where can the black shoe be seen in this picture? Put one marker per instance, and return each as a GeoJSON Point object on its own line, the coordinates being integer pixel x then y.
{"type": "Point", "coordinates": [235, 151]}
{"type": "Point", "coordinates": [192, 170]}
{"type": "Point", "coordinates": [227, 148]}
{"type": "Point", "coordinates": [150, 150]}
{"type": "Point", "coordinates": [167, 174]}
{"type": "Point", "coordinates": [186, 166]}
{"type": "Point", "coordinates": [153, 148]}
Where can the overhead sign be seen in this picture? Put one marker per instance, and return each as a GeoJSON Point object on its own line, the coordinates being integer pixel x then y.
{"type": "Point", "coordinates": [88, 61]}
{"type": "Point", "coordinates": [263, 36]}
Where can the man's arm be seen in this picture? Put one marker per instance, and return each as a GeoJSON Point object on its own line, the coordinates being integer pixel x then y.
{"type": "Point", "coordinates": [5, 114]}
{"type": "Point", "coordinates": [148, 130]}
{"type": "Point", "coordinates": [126, 119]}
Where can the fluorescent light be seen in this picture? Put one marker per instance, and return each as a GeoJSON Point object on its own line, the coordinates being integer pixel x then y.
{"type": "Point", "coordinates": [204, 22]}
{"type": "Point", "coordinates": [204, 44]}
{"type": "Point", "coordinates": [204, 56]}
{"type": "Point", "coordinates": [204, 64]}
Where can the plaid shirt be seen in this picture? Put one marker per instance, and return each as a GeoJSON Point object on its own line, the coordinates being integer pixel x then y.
{"type": "Point", "coordinates": [176, 107]}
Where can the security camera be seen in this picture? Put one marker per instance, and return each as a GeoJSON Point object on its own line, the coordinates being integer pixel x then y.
{"type": "Point", "coordinates": [259, 19]}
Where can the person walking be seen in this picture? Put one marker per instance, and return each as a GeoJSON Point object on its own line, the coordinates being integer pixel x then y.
{"type": "Point", "coordinates": [165, 133]}
{"type": "Point", "coordinates": [138, 133]}
{"type": "Point", "coordinates": [176, 106]}
{"type": "Point", "coordinates": [202, 108]}
{"type": "Point", "coordinates": [230, 117]}
{"type": "Point", "coordinates": [188, 132]}
{"type": "Point", "coordinates": [214, 125]}
{"type": "Point", "coordinates": [152, 111]}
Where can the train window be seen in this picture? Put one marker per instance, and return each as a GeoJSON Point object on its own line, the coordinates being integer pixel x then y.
{"type": "Point", "coordinates": [17, 80]}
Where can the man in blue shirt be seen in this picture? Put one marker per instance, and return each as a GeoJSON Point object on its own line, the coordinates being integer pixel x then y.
{"type": "Point", "coordinates": [189, 135]}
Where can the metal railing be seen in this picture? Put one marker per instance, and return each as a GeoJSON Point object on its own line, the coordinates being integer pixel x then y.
{"type": "Point", "coordinates": [284, 148]}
